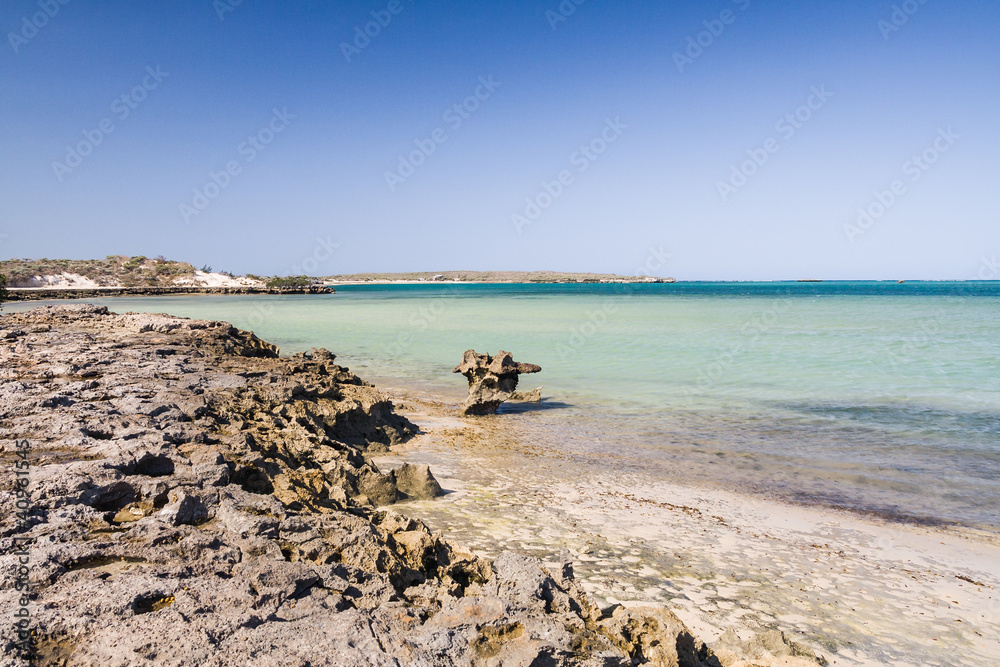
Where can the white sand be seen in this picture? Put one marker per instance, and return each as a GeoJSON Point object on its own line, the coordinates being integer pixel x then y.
{"type": "Point", "coordinates": [63, 280]}
{"type": "Point", "coordinates": [859, 592]}
{"type": "Point", "coordinates": [200, 279]}
{"type": "Point", "coordinates": [203, 279]}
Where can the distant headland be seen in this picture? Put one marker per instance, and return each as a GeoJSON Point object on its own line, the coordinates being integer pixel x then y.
{"type": "Point", "coordinates": [32, 279]}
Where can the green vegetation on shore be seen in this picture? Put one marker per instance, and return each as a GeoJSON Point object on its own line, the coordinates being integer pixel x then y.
{"type": "Point", "coordinates": [286, 282]}
{"type": "Point", "coordinates": [114, 270]}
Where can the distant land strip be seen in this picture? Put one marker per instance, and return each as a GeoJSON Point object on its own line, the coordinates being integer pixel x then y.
{"type": "Point", "coordinates": [46, 293]}
{"type": "Point", "coordinates": [494, 277]}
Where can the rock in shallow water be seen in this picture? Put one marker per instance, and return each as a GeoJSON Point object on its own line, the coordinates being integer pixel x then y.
{"type": "Point", "coordinates": [416, 481]}
{"type": "Point", "coordinates": [492, 380]}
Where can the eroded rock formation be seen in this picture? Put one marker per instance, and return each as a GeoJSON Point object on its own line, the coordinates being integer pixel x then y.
{"type": "Point", "coordinates": [492, 380]}
{"type": "Point", "coordinates": [196, 500]}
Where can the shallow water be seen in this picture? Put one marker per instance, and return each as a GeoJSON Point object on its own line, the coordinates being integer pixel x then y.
{"type": "Point", "coordinates": [878, 397]}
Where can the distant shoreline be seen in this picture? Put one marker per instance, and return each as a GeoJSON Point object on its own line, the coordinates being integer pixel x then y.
{"type": "Point", "coordinates": [421, 277]}
{"type": "Point", "coordinates": [760, 287]}
{"type": "Point", "coordinates": [335, 283]}
{"type": "Point", "coordinates": [47, 293]}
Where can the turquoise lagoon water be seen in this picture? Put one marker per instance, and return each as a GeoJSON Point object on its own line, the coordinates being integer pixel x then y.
{"type": "Point", "coordinates": [875, 397]}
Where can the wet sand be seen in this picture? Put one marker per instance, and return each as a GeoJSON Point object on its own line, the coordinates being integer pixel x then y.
{"type": "Point", "coordinates": [858, 590]}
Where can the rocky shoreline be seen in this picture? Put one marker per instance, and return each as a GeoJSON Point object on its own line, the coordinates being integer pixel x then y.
{"type": "Point", "coordinates": [191, 498]}
{"type": "Point", "coordinates": [46, 294]}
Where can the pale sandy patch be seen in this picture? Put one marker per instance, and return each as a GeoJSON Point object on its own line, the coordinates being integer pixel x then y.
{"type": "Point", "coordinates": [858, 591]}
{"type": "Point", "coordinates": [63, 280]}
{"type": "Point", "coordinates": [203, 279]}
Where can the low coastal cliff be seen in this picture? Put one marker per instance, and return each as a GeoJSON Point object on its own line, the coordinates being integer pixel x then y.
{"type": "Point", "coordinates": [193, 499]}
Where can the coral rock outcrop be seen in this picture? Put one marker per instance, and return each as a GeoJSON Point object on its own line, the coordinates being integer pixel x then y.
{"type": "Point", "coordinates": [492, 380]}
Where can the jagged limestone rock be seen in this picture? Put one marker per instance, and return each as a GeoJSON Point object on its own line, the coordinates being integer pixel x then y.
{"type": "Point", "coordinates": [492, 380]}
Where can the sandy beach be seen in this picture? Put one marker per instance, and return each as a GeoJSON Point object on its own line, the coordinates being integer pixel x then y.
{"type": "Point", "coordinates": [858, 591]}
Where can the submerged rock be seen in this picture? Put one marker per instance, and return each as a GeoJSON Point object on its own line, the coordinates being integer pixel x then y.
{"type": "Point", "coordinates": [492, 380]}
{"type": "Point", "coordinates": [416, 481]}
{"type": "Point", "coordinates": [533, 396]}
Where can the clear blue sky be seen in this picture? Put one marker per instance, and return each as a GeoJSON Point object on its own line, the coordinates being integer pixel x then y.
{"type": "Point", "coordinates": [674, 127]}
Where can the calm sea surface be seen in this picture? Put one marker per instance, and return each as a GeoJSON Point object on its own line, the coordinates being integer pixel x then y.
{"type": "Point", "coordinates": [877, 397]}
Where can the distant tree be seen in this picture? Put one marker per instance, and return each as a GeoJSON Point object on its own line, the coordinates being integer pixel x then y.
{"type": "Point", "coordinates": [3, 289]}
{"type": "Point", "coordinates": [206, 269]}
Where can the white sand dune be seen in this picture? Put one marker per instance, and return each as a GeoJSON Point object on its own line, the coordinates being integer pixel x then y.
{"type": "Point", "coordinates": [200, 279]}
{"type": "Point", "coordinates": [203, 279]}
{"type": "Point", "coordinates": [62, 280]}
